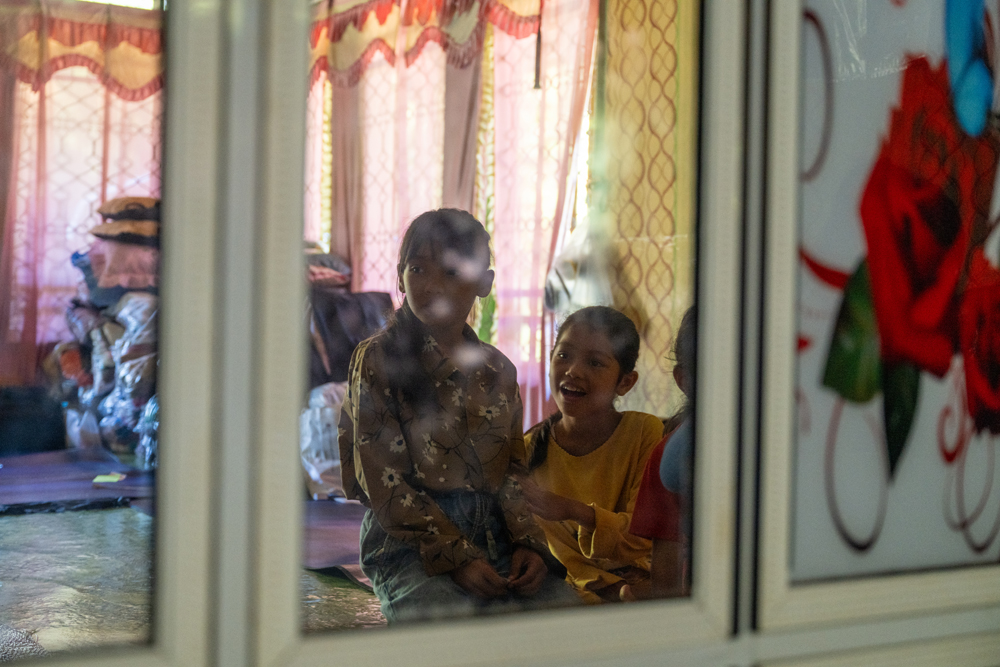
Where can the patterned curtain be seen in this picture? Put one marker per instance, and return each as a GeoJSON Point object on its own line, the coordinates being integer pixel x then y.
{"type": "Point", "coordinates": [644, 175]}
{"type": "Point", "coordinates": [81, 124]}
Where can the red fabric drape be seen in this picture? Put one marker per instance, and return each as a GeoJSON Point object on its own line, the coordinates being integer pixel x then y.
{"type": "Point", "coordinates": [121, 46]}
{"type": "Point", "coordinates": [347, 34]}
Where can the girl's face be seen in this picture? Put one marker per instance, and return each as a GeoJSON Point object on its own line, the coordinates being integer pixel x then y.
{"type": "Point", "coordinates": [441, 287]}
{"type": "Point", "coordinates": [585, 377]}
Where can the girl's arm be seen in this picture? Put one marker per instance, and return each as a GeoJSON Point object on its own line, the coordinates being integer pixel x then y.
{"type": "Point", "coordinates": [553, 507]}
{"type": "Point", "coordinates": [657, 515]}
{"type": "Point", "coordinates": [666, 574]}
{"type": "Point", "coordinates": [608, 535]}
{"type": "Point", "coordinates": [377, 469]}
{"type": "Point", "coordinates": [523, 529]}
{"type": "Point", "coordinates": [602, 533]}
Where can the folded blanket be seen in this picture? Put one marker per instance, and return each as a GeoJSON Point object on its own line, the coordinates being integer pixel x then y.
{"type": "Point", "coordinates": [124, 265]}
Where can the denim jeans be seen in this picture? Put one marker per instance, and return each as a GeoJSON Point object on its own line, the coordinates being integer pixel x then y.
{"type": "Point", "coordinates": [405, 590]}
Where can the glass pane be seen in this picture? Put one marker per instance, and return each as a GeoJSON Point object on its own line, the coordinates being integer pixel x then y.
{"type": "Point", "coordinates": [499, 230]}
{"type": "Point", "coordinates": [897, 411]}
{"type": "Point", "coordinates": [81, 109]}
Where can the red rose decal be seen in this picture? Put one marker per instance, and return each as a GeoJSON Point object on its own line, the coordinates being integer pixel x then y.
{"type": "Point", "coordinates": [923, 209]}
{"type": "Point", "coordinates": [979, 327]}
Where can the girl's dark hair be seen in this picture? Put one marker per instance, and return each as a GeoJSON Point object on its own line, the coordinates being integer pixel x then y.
{"type": "Point", "coordinates": [624, 338]}
{"type": "Point", "coordinates": [449, 228]}
{"type": "Point", "coordinates": [446, 228]}
{"type": "Point", "coordinates": [684, 343]}
{"type": "Point", "coordinates": [684, 358]}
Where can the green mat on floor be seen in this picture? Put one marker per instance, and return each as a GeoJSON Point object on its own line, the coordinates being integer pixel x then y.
{"type": "Point", "coordinates": [84, 579]}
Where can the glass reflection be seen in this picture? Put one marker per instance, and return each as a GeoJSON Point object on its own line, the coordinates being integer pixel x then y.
{"type": "Point", "coordinates": [561, 134]}
{"type": "Point", "coordinates": [81, 107]}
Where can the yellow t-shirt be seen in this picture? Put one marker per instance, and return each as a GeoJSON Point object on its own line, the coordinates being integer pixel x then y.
{"type": "Point", "coordinates": [606, 479]}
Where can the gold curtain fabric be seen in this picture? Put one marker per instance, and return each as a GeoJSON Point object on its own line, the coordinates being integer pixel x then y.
{"type": "Point", "coordinates": [346, 34]}
{"type": "Point", "coordinates": [122, 46]}
{"type": "Point", "coordinates": [645, 173]}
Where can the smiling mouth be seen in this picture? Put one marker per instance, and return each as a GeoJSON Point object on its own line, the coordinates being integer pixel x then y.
{"type": "Point", "coordinates": [571, 393]}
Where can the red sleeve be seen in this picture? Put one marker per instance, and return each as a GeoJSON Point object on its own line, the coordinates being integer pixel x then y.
{"type": "Point", "coordinates": [657, 512]}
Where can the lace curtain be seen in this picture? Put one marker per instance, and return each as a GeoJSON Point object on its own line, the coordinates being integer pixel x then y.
{"type": "Point", "coordinates": [80, 123]}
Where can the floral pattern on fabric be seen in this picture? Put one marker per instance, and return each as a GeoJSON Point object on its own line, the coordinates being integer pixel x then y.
{"type": "Point", "coordinates": [394, 460]}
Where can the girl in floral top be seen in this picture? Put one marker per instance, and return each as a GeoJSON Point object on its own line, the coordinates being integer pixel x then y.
{"type": "Point", "coordinates": [431, 428]}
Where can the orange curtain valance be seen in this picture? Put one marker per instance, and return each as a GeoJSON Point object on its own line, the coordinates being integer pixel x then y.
{"type": "Point", "coordinates": [346, 34]}
{"type": "Point", "coordinates": [121, 45]}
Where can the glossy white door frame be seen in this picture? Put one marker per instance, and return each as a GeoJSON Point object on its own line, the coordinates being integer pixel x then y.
{"type": "Point", "coordinates": [183, 579]}
{"type": "Point", "coordinates": [229, 536]}
{"type": "Point", "coordinates": [695, 632]}
{"type": "Point", "coordinates": [239, 153]}
{"type": "Point", "coordinates": [617, 634]}
{"type": "Point", "coordinates": [783, 605]}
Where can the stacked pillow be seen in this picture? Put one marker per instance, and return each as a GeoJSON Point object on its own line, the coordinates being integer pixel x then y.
{"type": "Point", "coordinates": [133, 220]}
{"type": "Point", "coordinates": [126, 257]}
{"type": "Point", "coordinates": [114, 322]}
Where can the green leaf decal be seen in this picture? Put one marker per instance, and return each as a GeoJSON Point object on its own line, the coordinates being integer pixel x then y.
{"type": "Point", "coordinates": [487, 319]}
{"type": "Point", "coordinates": [901, 390]}
{"type": "Point", "coordinates": [853, 365]}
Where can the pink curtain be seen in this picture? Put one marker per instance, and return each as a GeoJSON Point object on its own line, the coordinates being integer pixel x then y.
{"type": "Point", "coordinates": [318, 159]}
{"type": "Point", "coordinates": [404, 141]}
{"type": "Point", "coordinates": [74, 145]}
{"type": "Point", "coordinates": [536, 131]}
{"type": "Point", "coordinates": [402, 133]}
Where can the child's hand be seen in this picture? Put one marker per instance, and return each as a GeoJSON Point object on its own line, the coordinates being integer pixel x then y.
{"type": "Point", "coordinates": [553, 507]}
{"type": "Point", "coordinates": [542, 503]}
{"type": "Point", "coordinates": [480, 579]}
{"type": "Point", "coordinates": [527, 571]}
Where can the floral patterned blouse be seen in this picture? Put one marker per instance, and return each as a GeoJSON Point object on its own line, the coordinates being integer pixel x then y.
{"type": "Point", "coordinates": [393, 459]}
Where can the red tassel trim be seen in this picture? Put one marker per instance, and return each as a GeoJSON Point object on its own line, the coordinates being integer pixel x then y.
{"type": "Point", "coordinates": [350, 76]}
{"type": "Point", "coordinates": [73, 33]}
{"type": "Point", "coordinates": [421, 11]}
{"type": "Point", "coordinates": [336, 23]}
{"type": "Point", "coordinates": [515, 25]}
{"type": "Point", "coordinates": [459, 55]}
{"type": "Point", "coordinates": [38, 78]}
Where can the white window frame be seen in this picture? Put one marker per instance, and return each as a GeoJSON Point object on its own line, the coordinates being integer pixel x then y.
{"type": "Point", "coordinates": [783, 604]}
{"type": "Point", "coordinates": [228, 564]}
{"type": "Point", "coordinates": [182, 604]}
{"type": "Point", "coordinates": [615, 632]}
{"type": "Point", "coordinates": [969, 651]}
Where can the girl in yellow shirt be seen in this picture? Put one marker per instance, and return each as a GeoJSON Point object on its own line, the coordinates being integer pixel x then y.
{"type": "Point", "coordinates": [586, 461]}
